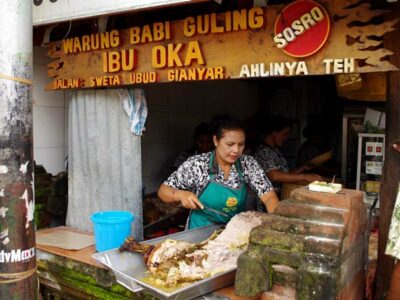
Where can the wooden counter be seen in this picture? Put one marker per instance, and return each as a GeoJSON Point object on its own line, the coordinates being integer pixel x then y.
{"type": "Point", "coordinates": [69, 274]}
{"type": "Point", "coordinates": [84, 255]}
{"type": "Point", "coordinates": [74, 274]}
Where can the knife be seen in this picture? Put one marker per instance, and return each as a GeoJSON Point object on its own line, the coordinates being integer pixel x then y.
{"type": "Point", "coordinates": [216, 211]}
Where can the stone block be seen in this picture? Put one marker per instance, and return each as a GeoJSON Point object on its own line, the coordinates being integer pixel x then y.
{"type": "Point", "coordinates": [297, 259]}
{"type": "Point", "coordinates": [296, 209]}
{"type": "Point", "coordinates": [316, 283]}
{"type": "Point", "coordinates": [304, 227]}
{"type": "Point", "coordinates": [355, 220]}
{"type": "Point", "coordinates": [283, 257]}
{"type": "Point", "coordinates": [358, 223]}
{"type": "Point", "coordinates": [353, 262]}
{"type": "Point", "coordinates": [327, 246]}
{"type": "Point", "coordinates": [284, 275]}
{"type": "Point", "coordinates": [252, 276]}
{"type": "Point", "coordinates": [341, 199]}
{"type": "Point", "coordinates": [262, 235]}
{"type": "Point", "coordinates": [275, 239]}
{"type": "Point", "coordinates": [315, 244]}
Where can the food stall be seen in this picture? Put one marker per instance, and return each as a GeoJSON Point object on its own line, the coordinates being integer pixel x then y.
{"type": "Point", "coordinates": [314, 245]}
{"type": "Point", "coordinates": [239, 46]}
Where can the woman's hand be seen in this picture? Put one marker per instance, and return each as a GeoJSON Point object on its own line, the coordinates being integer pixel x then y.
{"type": "Point", "coordinates": [188, 199]}
{"type": "Point", "coordinates": [270, 200]}
{"type": "Point", "coordinates": [170, 195]}
{"type": "Point", "coordinates": [307, 167]}
{"type": "Point", "coordinates": [312, 177]}
{"type": "Point", "coordinates": [302, 169]}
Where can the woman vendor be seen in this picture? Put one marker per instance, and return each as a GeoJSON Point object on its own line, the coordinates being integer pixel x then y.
{"type": "Point", "coordinates": [275, 132]}
{"type": "Point", "coordinates": [216, 180]}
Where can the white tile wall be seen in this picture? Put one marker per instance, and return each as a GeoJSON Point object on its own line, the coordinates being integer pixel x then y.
{"type": "Point", "coordinates": [49, 125]}
{"type": "Point", "coordinates": [52, 158]}
{"type": "Point", "coordinates": [50, 115]}
{"type": "Point", "coordinates": [41, 97]}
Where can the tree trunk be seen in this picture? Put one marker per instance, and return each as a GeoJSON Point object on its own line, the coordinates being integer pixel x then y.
{"type": "Point", "coordinates": [17, 236]}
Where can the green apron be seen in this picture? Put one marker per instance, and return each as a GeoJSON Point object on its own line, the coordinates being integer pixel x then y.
{"type": "Point", "coordinates": [219, 197]}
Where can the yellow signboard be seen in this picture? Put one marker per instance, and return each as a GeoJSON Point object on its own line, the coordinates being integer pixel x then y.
{"type": "Point", "coordinates": [244, 43]}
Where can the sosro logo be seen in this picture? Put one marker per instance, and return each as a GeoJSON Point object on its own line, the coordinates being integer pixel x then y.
{"type": "Point", "coordinates": [38, 2]}
{"type": "Point", "coordinates": [302, 28]}
{"type": "Point", "coordinates": [16, 255]}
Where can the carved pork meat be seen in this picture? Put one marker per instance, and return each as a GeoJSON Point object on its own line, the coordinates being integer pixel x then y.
{"type": "Point", "coordinates": [176, 262]}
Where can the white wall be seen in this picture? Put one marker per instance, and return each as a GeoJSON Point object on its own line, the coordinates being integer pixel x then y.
{"type": "Point", "coordinates": [174, 112]}
{"type": "Point", "coordinates": [50, 116]}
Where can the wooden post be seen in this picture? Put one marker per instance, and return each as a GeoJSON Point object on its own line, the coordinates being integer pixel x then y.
{"type": "Point", "coordinates": [18, 278]}
{"type": "Point", "coordinates": [391, 173]}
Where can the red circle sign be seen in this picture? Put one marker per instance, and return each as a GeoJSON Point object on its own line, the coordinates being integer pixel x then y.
{"type": "Point", "coordinates": [302, 28]}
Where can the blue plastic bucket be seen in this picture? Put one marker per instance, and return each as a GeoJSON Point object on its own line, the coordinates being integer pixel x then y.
{"type": "Point", "coordinates": [111, 228]}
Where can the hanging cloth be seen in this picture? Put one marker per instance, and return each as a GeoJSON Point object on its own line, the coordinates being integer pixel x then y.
{"type": "Point", "coordinates": [134, 104]}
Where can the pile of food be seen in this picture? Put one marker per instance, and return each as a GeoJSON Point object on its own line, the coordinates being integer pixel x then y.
{"type": "Point", "coordinates": [174, 262]}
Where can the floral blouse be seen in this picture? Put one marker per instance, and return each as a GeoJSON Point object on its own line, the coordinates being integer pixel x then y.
{"type": "Point", "coordinates": [270, 158]}
{"type": "Point", "coordinates": [194, 174]}
{"type": "Point", "coordinates": [393, 243]}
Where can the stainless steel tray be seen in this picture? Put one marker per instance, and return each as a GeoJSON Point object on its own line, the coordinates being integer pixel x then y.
{"type": "Point", "coordinates": [129, 268]}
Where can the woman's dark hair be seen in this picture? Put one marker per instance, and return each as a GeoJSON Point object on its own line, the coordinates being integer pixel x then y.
{"type": "Point", "coordinates": [276, 123]}
{"type": "Point", "coordinates": [221, 123]}
{"type": "Point", "coordinates": [202, 129]}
